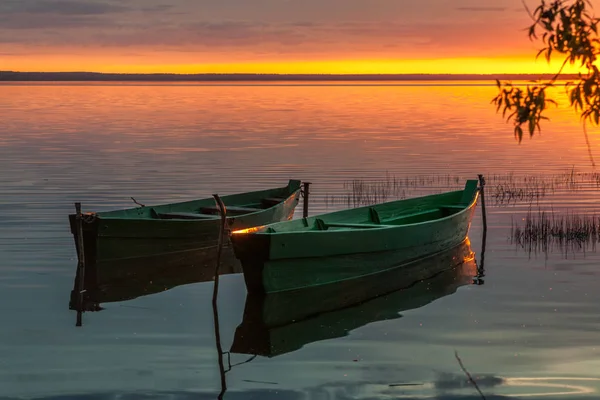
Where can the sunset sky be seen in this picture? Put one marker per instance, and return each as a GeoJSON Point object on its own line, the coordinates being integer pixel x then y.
{"type": "Point", "coordinates": [268, 36]}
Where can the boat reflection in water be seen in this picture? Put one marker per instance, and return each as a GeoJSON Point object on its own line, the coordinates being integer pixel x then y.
{"type": "Point", "coordinates": [278, 323]}
{"type": "Point", "coordinates": [136, 279]}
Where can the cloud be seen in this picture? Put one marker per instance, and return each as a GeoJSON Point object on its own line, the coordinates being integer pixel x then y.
{"type": "Point", "coordinates": [158, 8]}
{"type": "Point", "coordinates": [277, 38]}
{"type": "Point", "coordinates": [278, 29]}
{"type": "Point", "coordinates": [62, 7]}
{"type": "Point", "coordinates": [62, 15]}
{"type": "Point", "coordinates": [486, 9]}
{"type": "Point", "coordinates": [41, 23]}
{"type": "Point", "coordinates": [283, 37]}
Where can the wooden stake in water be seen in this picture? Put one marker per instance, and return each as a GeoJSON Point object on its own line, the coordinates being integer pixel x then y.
{"type": "Point", "coordinates": [80, 262]}
{"type": "Point", "coordinates": [482, 193]}
{"type": "Point", "coordinates": [478, 280]}
{"type": "Point", "coordinates": [223, 212]}
{"type": "Point", "coordinates": [480, 269]}
{"type": "Point", "coordinates": [305, 193]}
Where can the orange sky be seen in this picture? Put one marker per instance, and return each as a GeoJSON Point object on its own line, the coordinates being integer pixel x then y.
{"type": "Point", "coordinates": [268, 36]}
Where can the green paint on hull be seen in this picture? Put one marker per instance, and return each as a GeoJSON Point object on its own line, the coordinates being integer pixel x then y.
{"type": "Point", "coordinates": [355, 243]}
{"type": "Point", "coordinates": [278, 323]}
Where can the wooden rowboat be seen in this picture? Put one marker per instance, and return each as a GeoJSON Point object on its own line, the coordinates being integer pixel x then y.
{"type": "Point", "coordinates": [354, 243]}
{"type": "Point", "coordinates": [158, 235]}
{"type": "Point", "coordinates": [279, 323]}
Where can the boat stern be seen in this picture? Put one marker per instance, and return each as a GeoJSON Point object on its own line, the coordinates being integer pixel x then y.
{"type": "Point", "coordinates": [252, 247]}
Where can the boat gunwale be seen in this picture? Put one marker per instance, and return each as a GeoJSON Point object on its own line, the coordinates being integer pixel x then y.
{"type": "Point", "coordinates": [371, 227]}
{"type": "Point", "coordinates": [99, 215]}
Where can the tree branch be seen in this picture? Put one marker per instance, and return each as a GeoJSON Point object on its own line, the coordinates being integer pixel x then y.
{"type": "Point", "coordinates": [468, 375]}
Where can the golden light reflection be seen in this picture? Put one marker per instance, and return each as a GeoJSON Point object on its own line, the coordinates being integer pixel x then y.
{"type": "Point", "coordinates": [453, 119]}
{"type": "Point", "coordinates": [470, 257]}
{"type": "Point", "coordinates": [555, 386]}
{"type": "Point", "coordinates": [567, 389]}
{"type": "Point", "coordinates": [248, 230]}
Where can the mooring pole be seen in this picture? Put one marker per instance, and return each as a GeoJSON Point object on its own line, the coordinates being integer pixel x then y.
{"type": "Point", "coordinates": [480, 269]}
{"type": "Point", "coordinates": [223, 212]}
{"type": "Point", "coordinates": [482, 193]}
{"type": "Point", "coordinates": [80, 262]}
{"type": "Point", "coordinates": [305, 193]}
{"type": "Point", "coordinates": [478, 280]}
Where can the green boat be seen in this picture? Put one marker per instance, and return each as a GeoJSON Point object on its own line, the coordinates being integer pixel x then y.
{"type": "Point", "coordinates": [279, 323]}
{"type": "Point", "coordinates": [162, 234]}
{"type": "Point", "coordinates": [355, 243]}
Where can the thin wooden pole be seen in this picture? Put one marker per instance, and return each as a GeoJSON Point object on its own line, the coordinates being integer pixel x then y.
{"type": "Point", "coordinates": [305, 193]}
{"type": "Point", "coordinates": [223, 212]}
{"type": "Point", "coordinates": [482, 192]}
{"type": "Point", "coordinates": [480, 269]}
{"type": "Point", "coordinates": [80, 263]}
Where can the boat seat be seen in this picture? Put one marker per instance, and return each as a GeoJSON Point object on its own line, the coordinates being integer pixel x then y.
{"type": "Point", "coordinates": [470, 189]}
{"type": "Point", "coordinates": [359, 226]}
{"type": "Point", "coordinates": [451, 209]}
{"type": "Point", "coordinates": [271, 201]}
{"type": "Point", "coordinates": [412, 218]}
{"type": "Point", "coordinates": [184, 215]}
{"type": "Point", "coordinates": [374, 216]}
{"type": "Point", "coordinates": [320, 224]}
{"type": "Point", "coordinates": [323, 226]}
{"type": "Point", "coordinates": [230, 210]}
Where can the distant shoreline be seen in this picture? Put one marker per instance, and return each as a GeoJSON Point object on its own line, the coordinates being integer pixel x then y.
{"type": "Point", "coordinates": [13, 76]}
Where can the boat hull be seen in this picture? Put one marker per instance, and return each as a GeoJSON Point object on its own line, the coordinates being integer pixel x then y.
{"type": "Point", "coordinates": [290, 260]}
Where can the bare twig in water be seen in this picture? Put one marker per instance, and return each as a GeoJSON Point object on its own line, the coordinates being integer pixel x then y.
{"type": "Point", "coordinates": [468, 375]}
{"type": "Point", "coordinates": [269, 383]}
{"type": "Point", "coordinates": [404, 384]}
{"type": "Point", "coordinates": [136, 202]}
{"type": "Point", "coordinates": [230, 365]}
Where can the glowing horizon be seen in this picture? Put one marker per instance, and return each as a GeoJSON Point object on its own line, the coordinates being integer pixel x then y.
{"type": "Point", "coordinates": [311, 37]}
{"type": "Point", "coordinates": [454, 66]}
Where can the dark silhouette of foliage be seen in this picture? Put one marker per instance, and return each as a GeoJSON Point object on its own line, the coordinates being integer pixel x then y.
{"type": "Point", "coordinates": [568, 29]}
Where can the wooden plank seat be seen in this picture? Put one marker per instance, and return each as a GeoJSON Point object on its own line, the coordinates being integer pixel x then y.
{"type": "Point", "coordinates": [230, 210]}
{"type": "Point", "coordinates": [412, 217]}
{"type": "Point", "coordinates": [271, 201]}
{"type": "Point", "coordinates": [184, 215]}
{"type": "Point", "coordinates": [451, 209]}
{"type": "Point", "coordinates": [374, 216]}
{"type": "Point", "coordinates": [359, 226]}
{"type": "Point", "coordinates": [323, 226]}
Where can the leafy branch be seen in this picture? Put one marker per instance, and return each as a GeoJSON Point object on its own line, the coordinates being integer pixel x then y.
{"type": "Point", "coordinates": [567, 28]}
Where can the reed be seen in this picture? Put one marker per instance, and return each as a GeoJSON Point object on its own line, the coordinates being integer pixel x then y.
{"type": "Point", "coordinates": [544, 231]}
{"type": "Point", "coordinates": [502, 189]}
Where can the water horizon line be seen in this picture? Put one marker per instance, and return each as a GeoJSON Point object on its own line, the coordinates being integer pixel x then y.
{"type": "Point", "coordinates": [14, 76]}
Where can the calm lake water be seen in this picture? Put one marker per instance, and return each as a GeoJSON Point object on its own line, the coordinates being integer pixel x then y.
{"type": "Point", "coordinates": [532, 330]}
